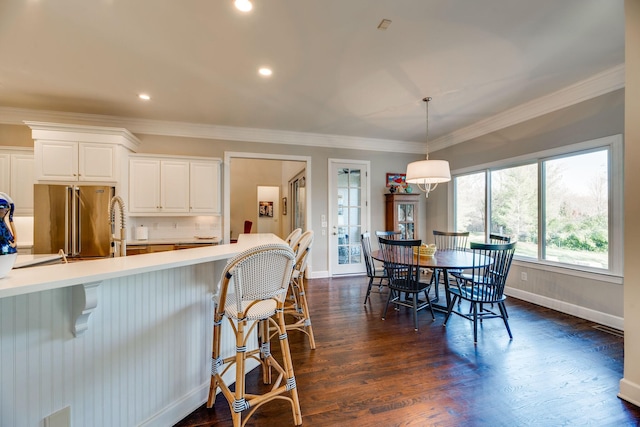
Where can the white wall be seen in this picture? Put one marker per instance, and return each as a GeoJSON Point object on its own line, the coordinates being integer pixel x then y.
{"type": "Point", "coordinates": [630, 384]}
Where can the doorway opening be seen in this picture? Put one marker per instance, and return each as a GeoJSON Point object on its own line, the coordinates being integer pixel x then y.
{"type": "Point", "coordinates": [245, 172]}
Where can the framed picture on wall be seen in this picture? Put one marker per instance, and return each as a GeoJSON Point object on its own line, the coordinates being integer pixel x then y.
{"type": "Point", "coordinates": [396, 179]}
{"type": "Point", "coordinates": [265, 209]}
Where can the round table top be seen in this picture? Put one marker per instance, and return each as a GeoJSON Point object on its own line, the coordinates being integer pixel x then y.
{"type": "Point", "coordinates": [448, 259]}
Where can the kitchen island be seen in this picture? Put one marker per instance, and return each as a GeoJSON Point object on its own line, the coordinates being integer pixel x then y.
{"type": "Point", "coordinates": [120, 341]}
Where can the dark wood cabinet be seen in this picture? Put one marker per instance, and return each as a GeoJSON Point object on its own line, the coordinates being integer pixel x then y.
{"type": "Point", "coordinates": [401, 214]}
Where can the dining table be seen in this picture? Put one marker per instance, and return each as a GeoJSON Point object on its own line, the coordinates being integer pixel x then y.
{"type": "Point", "coordinates": [444, 260]}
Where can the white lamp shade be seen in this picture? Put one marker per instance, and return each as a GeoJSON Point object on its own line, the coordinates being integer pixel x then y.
{"type": "Point", "coordinates": [428, 172]}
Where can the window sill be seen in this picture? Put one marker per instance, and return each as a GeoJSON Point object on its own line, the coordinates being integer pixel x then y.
{"type": "Point", "coordinates": [577, 271]}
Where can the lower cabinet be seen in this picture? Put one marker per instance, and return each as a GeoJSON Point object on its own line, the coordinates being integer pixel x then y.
{"type": "Point", "coordinates": [149, 249]}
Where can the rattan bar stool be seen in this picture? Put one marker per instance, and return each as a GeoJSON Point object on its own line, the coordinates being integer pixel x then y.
{"type": "Point", "coordinates": [297, 306]}
{"type": "Point", "coordinates": [251, 298]}
{"type": "Point", "coordinates": [293, 237]}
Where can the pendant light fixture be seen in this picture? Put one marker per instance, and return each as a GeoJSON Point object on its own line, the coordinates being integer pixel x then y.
{"type": "Point", "coordinates": [427, 174]}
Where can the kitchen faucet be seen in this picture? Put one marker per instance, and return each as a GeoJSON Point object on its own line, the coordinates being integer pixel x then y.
{"type": "Point", "coordinates": [122, 240]}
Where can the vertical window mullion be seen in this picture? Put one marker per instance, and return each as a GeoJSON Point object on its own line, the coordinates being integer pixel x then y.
{"type": "Point", "coordinates": [487, 204]}
{"type": "Point", "coordinates": [542, 214]}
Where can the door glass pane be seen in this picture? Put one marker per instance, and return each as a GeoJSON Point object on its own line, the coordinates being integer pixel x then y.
{"type": "Point", "coordinates": [409, 213]}
{"type": "Point", "coordinates": [349, 215]}
{"type": "Point", "coordinates": [409, 231]}
{"type": "Point", "coordinates": [354, 178]}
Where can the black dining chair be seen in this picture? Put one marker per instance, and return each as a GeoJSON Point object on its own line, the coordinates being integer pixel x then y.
{"type": "Point", "coordinates": [499, 238]}
{"type": "Point", "coordinates": [394, 235]}
{"type": "Point", "coordinates": [404, 277]}
{"type": "Point", "coordinates": [365, 241]}
{"type": "Point", "coordinates": [483, 285]}
{"type": "Point", "coordinates": [448, 241]}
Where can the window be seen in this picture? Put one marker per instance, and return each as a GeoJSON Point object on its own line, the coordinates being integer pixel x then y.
{"type": "Point", "coordinates": [514, 206]}
{"type": "Point", "coordinates": [471, 205]}
{"type": "Point", "coordinates": [576, 210]}
{"type": "Point", "coordinates": [563, 206]}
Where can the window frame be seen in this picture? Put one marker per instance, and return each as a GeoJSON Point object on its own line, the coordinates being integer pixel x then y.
{"type": "Point", "coordinates": [614, 145]}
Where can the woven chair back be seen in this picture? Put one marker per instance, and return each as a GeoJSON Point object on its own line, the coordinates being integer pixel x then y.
{"type": "Point", "coordinates": [293, 237]}
{"type": "Point", "coordinates": [259, 273]}
{"type": "Point", "coordinates": [302, 249]}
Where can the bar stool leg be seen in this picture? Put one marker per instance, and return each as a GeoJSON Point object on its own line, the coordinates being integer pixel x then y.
{"type": "Point", "coordinates": [288, 368]}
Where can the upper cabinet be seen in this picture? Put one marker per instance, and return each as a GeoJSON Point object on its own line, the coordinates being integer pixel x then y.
{"type": "Point", "coordinates": [204, 186]}
{"type": "Point", "coordinates": [174, 185]}
{"type": "Point", "coordinates": [17, 178]}
{"type": "Point", "coordinates": [87, 154]}
{"type": "Point", "coordinates": [75, 161]}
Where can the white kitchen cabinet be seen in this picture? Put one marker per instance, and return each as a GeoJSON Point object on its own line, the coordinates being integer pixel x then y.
{"type": "Point", "coordinates": [71, 161]}
{"type": "Point", "coordinates": [82, 154]}
{"type": "Point", "coordinates": [204, 187]}
{"type": "Point", "coordinates": [17, 178]}
{"type": "Point", "coordinates": [22, 180]}
{"type": "Point", "coordinates": [144, 185]}
{"type": "Point", "coordinates": [173, 185]}
{"type": "Point", "coordinates": [5, 172]}
{"type": "Point", "coordinates": [158, 186]}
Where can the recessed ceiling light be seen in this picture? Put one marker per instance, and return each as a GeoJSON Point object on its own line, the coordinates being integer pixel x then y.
{"type": "Point", "coordinates": [144, 96]}
{"type": "Point", "coordinates": [264, 71]}
{"type": "Point", "coordinates": [243, 5]}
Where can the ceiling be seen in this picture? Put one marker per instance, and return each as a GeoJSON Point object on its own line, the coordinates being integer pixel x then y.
{"type": "Point", "coordinates": [334, 71]}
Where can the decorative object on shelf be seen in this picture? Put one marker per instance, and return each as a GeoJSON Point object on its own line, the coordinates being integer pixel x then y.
{"type": "Point", "coordinates": [427, 174]}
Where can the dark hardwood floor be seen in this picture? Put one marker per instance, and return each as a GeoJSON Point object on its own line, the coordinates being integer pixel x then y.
{"type": "Point", "coordinates": [558, 370]}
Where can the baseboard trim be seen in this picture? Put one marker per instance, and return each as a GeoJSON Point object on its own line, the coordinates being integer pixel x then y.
{"type": "Point", "coordinates": [179, 409]}
{"type": "Point", "coordinates": [568, 308]}
{"type": "Point", "coordinates": [629, 391]}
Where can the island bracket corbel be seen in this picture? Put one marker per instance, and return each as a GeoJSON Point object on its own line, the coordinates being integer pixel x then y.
{"type": "Point", "coordinates": [84, 301]}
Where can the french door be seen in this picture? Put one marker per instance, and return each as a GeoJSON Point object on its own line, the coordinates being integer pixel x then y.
{"type": "Point", "coordinates": [349, 214]}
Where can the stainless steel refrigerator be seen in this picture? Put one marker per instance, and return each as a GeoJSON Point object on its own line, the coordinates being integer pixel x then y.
{"type": "Point", "coordinates": [74, 218]}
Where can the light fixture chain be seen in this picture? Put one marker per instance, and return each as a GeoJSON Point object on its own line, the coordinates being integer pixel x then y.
{"type": "Point", "coordinates": [426, 100]}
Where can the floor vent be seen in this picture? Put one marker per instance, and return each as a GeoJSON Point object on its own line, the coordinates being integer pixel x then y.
{"type": "Point", "coordinates": [609, 330]}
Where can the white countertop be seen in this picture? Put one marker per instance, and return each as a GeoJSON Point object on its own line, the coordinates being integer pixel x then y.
{"type": "Point", "coordinates": [41, 278]}
{"type": "Point", "coordinates": [32, 260]}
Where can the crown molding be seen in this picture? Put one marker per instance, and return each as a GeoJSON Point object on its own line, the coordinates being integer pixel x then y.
{"type": "Point", "coordinates": [599, 84]}
{"type": "Point", "coordinates": [19, 116]}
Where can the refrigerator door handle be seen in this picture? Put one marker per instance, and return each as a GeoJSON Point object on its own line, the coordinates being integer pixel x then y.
{"type": "Point", "coordinates": [78, 223]}
{"type": "Point", "coordinates": [67, 221]}
{"type": "Point", "coordinates": [74, 221]}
